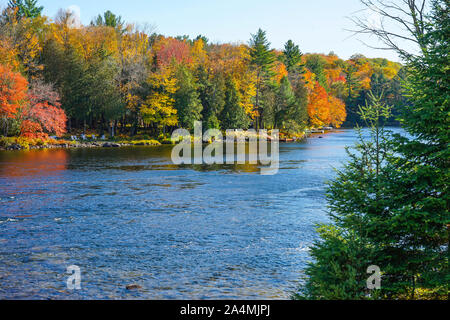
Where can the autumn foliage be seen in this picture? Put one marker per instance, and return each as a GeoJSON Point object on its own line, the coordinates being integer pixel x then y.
{"type": "Point", "coordinates": [171, 49]}
{"type": "Point", "coordinates": [113, 76]}
{"type": "Point", "coordinates": [318, 106]}
{"type": "Point", "coordinates": [37, 110]}
{"type": "Point", "coordinates": [13, 92]}
{"type": "Point", "coordinates": [338, 114]}
{"type": "Point", "coordinates": [325, 109]}
{"type": "Point", "coordinates": [44, 114]}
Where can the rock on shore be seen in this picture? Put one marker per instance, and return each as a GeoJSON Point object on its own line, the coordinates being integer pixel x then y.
{"type": "Point", "coordinates": [74, 145]}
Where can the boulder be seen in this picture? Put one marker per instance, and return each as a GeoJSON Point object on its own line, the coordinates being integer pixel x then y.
{"type": "Point", "coordinates": [133, 287]}
{"type": "Point", "coordinates": [110, 145]}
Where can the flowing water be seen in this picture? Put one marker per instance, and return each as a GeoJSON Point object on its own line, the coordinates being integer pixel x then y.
{"type": "Point", "coordinates": [129, 216]}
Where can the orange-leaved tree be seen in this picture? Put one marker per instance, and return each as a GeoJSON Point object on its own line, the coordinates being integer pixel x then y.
{"type": "Point", "coordinates": [318, 106]}
{"type": "Point", "coordinates": [13, 91]}
{"type": "Point", "coordinates": [338, 114]}
{"type": "Point", "coordinates": [13, 95]}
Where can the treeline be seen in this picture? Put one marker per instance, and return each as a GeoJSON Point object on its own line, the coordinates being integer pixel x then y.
{"type": "Point", "coordinates": [112, 77]}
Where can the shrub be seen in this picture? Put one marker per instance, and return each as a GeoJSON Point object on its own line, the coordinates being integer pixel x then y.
{"type": "Point", "coordinates": [6, 142]}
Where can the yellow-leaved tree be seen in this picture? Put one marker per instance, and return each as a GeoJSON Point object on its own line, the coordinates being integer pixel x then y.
{"type": "Point", "coordinates": [158, 110]}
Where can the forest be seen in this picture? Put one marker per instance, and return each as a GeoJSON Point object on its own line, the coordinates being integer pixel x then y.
{"type": "Point", "coordinates": [112, 77]}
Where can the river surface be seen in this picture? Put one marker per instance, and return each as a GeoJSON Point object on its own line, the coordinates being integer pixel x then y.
{"type": "Point", "coordinates": [130, 216]}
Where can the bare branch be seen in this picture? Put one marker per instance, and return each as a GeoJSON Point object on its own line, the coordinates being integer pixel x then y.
{"type": "Point", "coordinates": [399, 21]}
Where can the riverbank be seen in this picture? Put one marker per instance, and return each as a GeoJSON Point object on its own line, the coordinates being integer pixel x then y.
{"type": "Point", "coordinates": [77, 145]}
{"type": "Point", "coordinates": [20, 143]}
{"type": "Point", "coordinates": [14, 143]}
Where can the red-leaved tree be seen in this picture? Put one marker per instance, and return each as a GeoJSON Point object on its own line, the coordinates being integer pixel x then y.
{"type": "Point", "coordinates": [169, 49]}
{"type": "Point", "coordinates": [43, 115]}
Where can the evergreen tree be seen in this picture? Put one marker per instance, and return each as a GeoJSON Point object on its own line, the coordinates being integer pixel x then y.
{"type": "Point", "coordinates": [297, 117]}
{"type": "Point", "coordinates": [357, 201]}
{"type": "Point", "coordinates": [104, 94]}
{"type": "Point", "coordinates": [262, 58]}
{"type": "Point", "coordinates": [391, 88]}
{"type": "Point", "coordinates": [187, 100]}
{"type": "Point", "coordinates": [268, 104]}
{"type": "Point", "coordinates": [392, 196]}
{"type": "Point", "coordinates": [338, 272]}
{"type": "Point", "coordinates": [212, 96]}
{"type": "Point", "coordinates": [299, 111]}
{"type": "Point", "coordinates": [316, 64]}
{"type": "Point", "coordinates": [233, 115]}
{"type": "Point", "coordinates": [292, 57]}
{"type": "Point", "coordinates": [26, 8]}
{"type": "Point", "coordinates": [203, 38]}
{"type": "Point", "coordinates": [109, 19]}
{"type": "Point", "coordinates": [64, 67]}
{"type": "Point", "coordinates": [284, 103]}
{"type": "Point", "coordinates": [418, 229]}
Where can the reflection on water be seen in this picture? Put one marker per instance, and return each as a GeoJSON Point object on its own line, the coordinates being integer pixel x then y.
{"type": "Point", "coordinates": [129, 215]}
{"type": "Point", "coordinates": [45, 162]}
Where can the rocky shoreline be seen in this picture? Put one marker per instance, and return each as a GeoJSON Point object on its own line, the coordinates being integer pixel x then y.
{"type": "Point", "coordinates": [76, 145]}
{"type": "Point", "coordinates": [103, 144]}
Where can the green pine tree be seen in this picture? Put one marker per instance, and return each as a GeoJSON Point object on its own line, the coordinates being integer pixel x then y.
{"type": "Point", "coordinates": [356, 200]}
{"type": "Point", "coordinates": [419, 225]}
{"type": "Point", "coordinates": [262, 59]}
{"type": "Point", "coordinates": [292, 57]}
{"type": "Point", "coordinates": [109, 19]}
{"type": "Point", "coordinates": [316, 64]}
{"type": "Point", "coordinates": [284, 103]}
{"type": "Point", "coordinates": [187, 100]}
{"type": "Point", "coordinates": [26, 8]}
{"type": "Point", "coordinates": [233, 115]}
{"type": "Point", "coordinates": [212, 96]}
{"type": "Point", "coordinates": [104, 96]}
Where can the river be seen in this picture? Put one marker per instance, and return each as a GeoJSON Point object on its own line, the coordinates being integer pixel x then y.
{"type": "Point", "coordinates": [129, 216]}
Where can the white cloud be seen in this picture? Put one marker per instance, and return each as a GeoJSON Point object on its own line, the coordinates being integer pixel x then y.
{"type": "Point", "coordinates": [76, 15]}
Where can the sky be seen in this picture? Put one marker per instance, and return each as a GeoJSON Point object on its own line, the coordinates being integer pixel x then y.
{"type": "Point", "coordinates": [317, 26]}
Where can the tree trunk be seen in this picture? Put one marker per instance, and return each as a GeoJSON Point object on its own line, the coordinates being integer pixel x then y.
{"type": "Point", "coordinates": [112, 128]}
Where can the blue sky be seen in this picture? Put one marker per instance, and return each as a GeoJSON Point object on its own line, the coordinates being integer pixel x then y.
{"type": "Point", "coordinates": [316, 25]}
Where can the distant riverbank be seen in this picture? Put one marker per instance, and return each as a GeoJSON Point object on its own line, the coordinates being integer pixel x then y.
{"type": "Point", "coordinates": [19, 143]}
{"type": "Point", "coordinates": [67, 145]}
{"type": "Point", "coordinates": [64, 144]}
